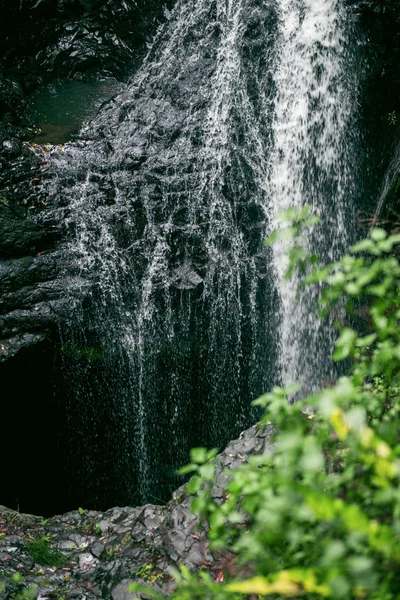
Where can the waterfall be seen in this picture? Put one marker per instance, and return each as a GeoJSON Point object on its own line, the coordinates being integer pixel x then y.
{"type": "Point", "coordinates": [311, 163]}
{"type": "Point", "coordinates": [181, 315]}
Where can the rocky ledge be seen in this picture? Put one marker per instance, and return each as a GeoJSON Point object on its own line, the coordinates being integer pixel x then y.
{"type": "Point", "coordinates": [85, 554]}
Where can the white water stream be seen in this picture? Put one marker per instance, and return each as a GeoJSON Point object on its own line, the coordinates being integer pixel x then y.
{"type": "Point", "coordinates": [311, 163]}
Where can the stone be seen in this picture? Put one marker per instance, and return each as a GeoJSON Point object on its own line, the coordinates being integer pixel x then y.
{"type": "Point", "coordinates": [98, 549]}
{"type": "Point", "coordinates": [121, 591]}
{"type": "Point", "coordinates": [11, 147]}
{"type": "Point", "coordinates": [87, 561]}
{"type": "Point", "coordinates": [185, 277]}
{"type": "Point", "coordinates": [103, 567]}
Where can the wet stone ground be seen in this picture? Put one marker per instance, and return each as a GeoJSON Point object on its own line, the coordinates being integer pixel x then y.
{"type": "Point", "coordinates": [85, 555]}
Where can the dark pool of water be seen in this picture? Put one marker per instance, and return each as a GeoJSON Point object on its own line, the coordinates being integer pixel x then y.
{"type": "Point", "coordinates": [59, 109]}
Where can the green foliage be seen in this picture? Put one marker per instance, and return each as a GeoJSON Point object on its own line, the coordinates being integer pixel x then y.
{"type": "Point", "coordinates": [89, 527]}
{"type": "Point", "coordinates": [148, 572]}
{"type": "Point", "coordinates": [110, 552]}
{"type": "Point", "coordinates": [29, 593]}
{"type": "Point", "coordinates": [44, 554]}
{"type": "Point", "coordinates": [392, 118]}
{"type": "Point", "coordinates": [22, 592]}
{"type": "Point", "coordinates": [294, 227]}
{"type": "Point", "coordinates": [319, 516]}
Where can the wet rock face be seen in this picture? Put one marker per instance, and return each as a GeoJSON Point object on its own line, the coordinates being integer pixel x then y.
{"type": "Point", "coordinates": [30, 292]}
{"type": "Point", "coordinates": [47, 39]}
{"type": "Point", "coordinates": [29, 269]}
{"type": "Point", "coordinates": [150, 188]}
{"type": "Point", "coordinates": [41, 40]}
{"type": "Point", "coordinates": [88, 554]}
{"type": "Point", "coordinates": [11, 95]}
{"type": "Point", "coordinates": [31, 303]}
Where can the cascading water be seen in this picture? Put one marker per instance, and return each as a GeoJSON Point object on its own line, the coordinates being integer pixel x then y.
{"type": "Point", "coordinates": [311, 163]}
{"type": "Point", "coordinates": [239, 110]}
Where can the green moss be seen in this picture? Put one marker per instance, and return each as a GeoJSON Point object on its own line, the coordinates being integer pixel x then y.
{"type": "Point", "coordinates": [85, 352]}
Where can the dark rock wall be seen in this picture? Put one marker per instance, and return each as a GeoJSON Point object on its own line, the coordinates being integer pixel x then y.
{"type": "Point", "coordinates": [48, 38]}
{"type": "Point", "coordinates": [30, 417]}
{"type": "Point", "coordinates": [380, 20]}
{"type": "Point", "coordinates": [40, 41]}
